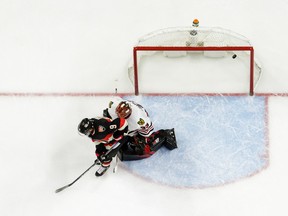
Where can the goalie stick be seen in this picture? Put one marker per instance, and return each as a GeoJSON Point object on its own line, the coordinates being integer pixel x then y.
{"type": "Point", "coordinates": [116, 164]}
{"type": "Point", "coordinates": [116, 160]}
{"type": "Point", "coordinates": [96, 161]}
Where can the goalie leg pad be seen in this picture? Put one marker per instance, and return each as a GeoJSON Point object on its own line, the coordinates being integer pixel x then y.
{"type": "Point", "coordinates": [127, 156]}
{"type": "Point", "coordinates": [157, 144]}
{"type": "Point", "coordinates": [171, 142]}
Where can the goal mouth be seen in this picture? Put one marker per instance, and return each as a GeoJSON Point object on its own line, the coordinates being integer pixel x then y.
{"type": "Point", "coordinates": [196, 43]}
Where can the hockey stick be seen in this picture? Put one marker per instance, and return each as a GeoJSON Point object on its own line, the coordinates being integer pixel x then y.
{"type": "Point", "coordinates": [116, 165]}
{"type": "Point", "coordinates": [96, 161]}
{"type": "Point", "coordinates": [66, 186]}
{"type": "Point", "coordinates": [116, 160]}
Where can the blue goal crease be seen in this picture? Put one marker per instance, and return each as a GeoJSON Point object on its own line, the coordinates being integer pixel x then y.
{"type": "Point", "coordinates": [220, 139]}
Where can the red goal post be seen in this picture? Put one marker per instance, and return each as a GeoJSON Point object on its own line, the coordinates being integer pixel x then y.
{"type": "Point", "coordinates": [195, 39]}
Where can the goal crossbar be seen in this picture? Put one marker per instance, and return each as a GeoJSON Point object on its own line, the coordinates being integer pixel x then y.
{"type": "Point", "coordinates": [182, 48]}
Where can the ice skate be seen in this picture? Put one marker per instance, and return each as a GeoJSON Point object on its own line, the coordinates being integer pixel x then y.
{"type": "Point", "coordinates": [101, 170]}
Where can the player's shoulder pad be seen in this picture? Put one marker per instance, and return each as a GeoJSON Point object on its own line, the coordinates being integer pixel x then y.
{"type": "Point", "coordinates": [121, 123]}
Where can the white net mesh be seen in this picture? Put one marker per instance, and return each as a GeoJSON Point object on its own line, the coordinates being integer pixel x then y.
{"type": "Point", "coordinates": [195, 37]}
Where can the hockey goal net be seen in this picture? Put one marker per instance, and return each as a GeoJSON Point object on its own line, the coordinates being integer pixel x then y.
{"type": "Point", "coordinates": [202, 43]}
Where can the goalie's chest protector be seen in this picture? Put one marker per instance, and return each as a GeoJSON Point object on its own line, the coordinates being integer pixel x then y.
{"type": "Point", "coordinates": [139, 117]}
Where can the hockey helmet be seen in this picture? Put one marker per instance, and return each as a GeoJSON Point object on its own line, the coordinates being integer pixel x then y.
{"type": "Point", "coordinates": [123, 110]}
{"type": "Point", "coordinates": [85, 127]}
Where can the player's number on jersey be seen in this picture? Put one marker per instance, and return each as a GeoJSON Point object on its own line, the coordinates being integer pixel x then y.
{"type": "Point", "coordinates": [112, 127]}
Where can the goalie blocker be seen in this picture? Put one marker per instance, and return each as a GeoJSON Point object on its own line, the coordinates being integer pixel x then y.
{"type": "Point", "coordinates": [139, 147]}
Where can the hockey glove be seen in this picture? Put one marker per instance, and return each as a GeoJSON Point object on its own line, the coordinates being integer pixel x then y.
{"type": "Point", "coordinates": [97, 162]}
{"type": "Point", "coordinates": [106, 113]}
{"type": "Point", "coordinates": [103, 159]}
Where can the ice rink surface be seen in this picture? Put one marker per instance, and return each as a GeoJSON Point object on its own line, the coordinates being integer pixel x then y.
{"type": "Point", "coordinates": [221, 139]}
{"type": "Point", "coordinates": [60, 49]}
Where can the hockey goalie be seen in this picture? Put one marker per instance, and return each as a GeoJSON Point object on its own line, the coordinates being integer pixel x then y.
{"type": "Point", "coordinates": [125, 131]}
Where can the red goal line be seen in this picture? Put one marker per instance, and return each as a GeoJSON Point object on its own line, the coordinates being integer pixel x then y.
{"type": "Point", "coordinates": [98, 94]}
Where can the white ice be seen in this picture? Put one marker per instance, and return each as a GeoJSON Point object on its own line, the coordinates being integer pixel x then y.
{"type": "Point", "coordinates": [85, 46]}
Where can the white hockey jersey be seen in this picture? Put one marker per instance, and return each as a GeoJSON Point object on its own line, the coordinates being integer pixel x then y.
{"type": "Point", "coordinates": [138, 122]}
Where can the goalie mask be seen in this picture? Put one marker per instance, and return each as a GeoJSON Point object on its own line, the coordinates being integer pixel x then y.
{"type": "Point", "coordinates": [123, 110]}
{"type": "Point", "coordinates": [86, 127]}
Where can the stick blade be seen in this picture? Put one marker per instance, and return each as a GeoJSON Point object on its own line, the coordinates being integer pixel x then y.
{"type": "Point", "coordinates": [61, 189]}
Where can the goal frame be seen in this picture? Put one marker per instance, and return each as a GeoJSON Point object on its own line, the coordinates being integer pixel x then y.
{"type": "Point", "coordinates": [137, 49]}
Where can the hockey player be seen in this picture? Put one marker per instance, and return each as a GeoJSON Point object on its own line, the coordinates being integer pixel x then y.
{"type": "Point", "coordinates": [142, 142]}
{"type": "Point", "coordinates": [137, 117]}
{"type": "Point", "coordinates": [108, 135]}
